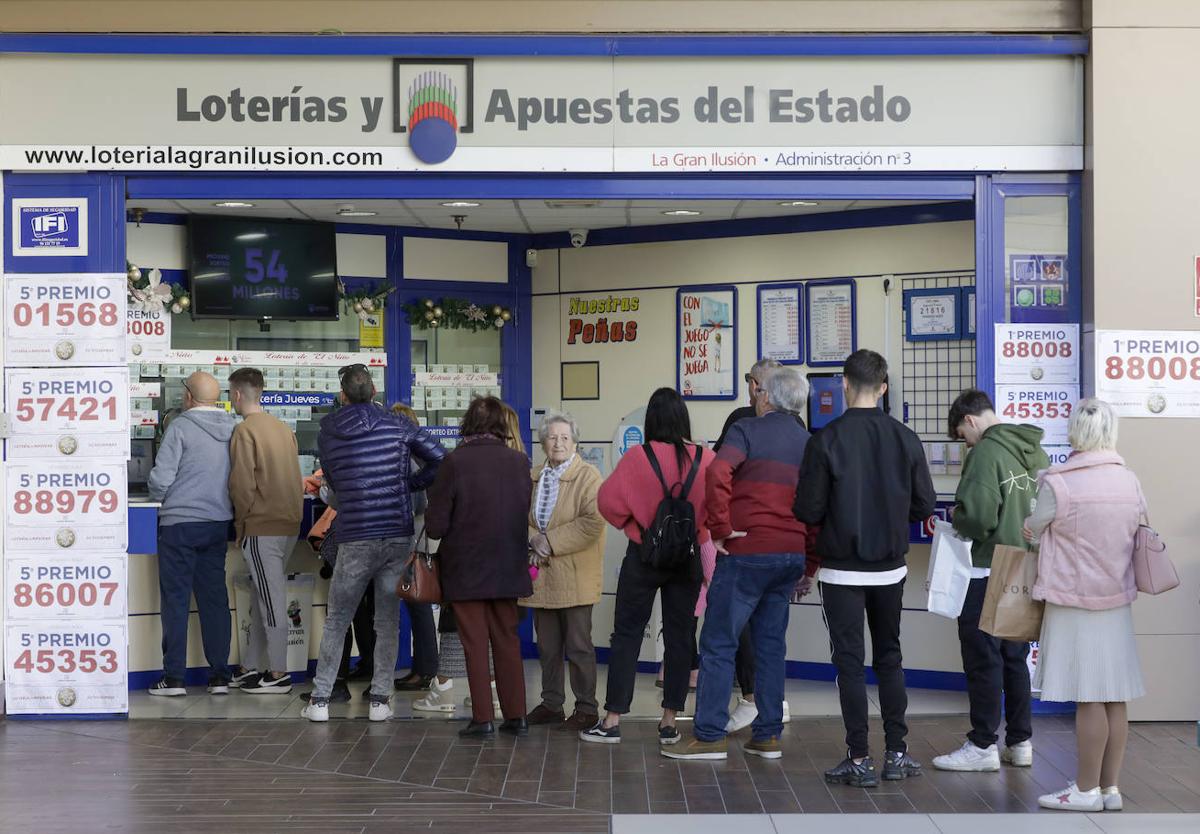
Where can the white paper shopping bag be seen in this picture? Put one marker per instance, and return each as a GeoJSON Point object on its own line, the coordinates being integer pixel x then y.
{"type": "Point", "coordinates": [949, 571]}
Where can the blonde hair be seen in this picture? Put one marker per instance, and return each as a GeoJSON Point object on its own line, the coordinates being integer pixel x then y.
{"type": "Point", "coordinates": [1093, 426]}
{"type": "Point", "coordinates": [405, 410]}
{"type": "Point", "coordinates": [512, 426]}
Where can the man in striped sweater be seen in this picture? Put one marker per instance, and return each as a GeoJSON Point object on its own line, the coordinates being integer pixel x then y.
{"type": "Point", "coordinates": [761, 559]}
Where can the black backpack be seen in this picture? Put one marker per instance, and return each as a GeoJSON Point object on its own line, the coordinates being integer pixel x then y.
{"type": "Point", "coordinates": [669, 543]}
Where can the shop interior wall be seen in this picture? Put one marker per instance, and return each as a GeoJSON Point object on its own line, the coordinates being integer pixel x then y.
{"type": "Point", "coordinates": [308, 16]}
{"type": "Point", "coordinates": [164, 246]}
{"type": "Point", "coordinates": [630, 371]}
{"type": "Point", "coordinates": [1140, 224]}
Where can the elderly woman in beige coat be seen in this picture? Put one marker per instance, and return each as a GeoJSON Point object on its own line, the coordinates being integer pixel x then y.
{"type": "Point", "coordinates": [566, 540]}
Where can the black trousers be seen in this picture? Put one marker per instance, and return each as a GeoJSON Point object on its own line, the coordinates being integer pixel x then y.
{"type": "Point", "coordinates": [636, 589]}
{"type": "Point", "coordinates": [743, 661]}
{"type": "Point", "coordinates": [844, 607]}
{"type": "Point", "coordinates": [996, 674]}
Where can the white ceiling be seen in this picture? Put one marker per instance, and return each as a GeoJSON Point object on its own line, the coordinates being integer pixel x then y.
{"type": "Point", "coordinates": [516, 216]}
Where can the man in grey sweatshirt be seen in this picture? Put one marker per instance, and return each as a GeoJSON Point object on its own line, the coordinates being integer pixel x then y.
{"type": "Point", "coordinates": [191, 480]}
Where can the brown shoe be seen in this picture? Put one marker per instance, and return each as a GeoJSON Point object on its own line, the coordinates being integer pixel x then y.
{"type": "Point", "coordinates": [580, 721]}
{"type": "Point", "coordinates": [543, 715]}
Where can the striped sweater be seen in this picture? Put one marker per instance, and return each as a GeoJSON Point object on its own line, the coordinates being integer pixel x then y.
{"type": "Point", "coordinates": [752, 484]}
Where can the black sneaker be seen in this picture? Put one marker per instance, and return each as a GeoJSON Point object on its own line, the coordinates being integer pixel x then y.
{"type": "Point", "coordinates": [601, 734]}
{"type": "Point", "coordinates": [242, 678]}
{"type": "Point", "coordinates": [899, 765]}
{"type": "Point", "coordinates": [856, 775]}
{"type": "Point", "coordinates": [668, 735]}
{"type": "Point", "coordinates": [170, 687]}
{"type": "Point", "coordinates": [218, 686]}
{"type": "Point", "coordinates": [268, 684]}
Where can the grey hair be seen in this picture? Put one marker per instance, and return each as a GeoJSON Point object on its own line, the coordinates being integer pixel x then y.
{"type": "Point", "coordinates": [763, 365]}
{"type": "Point", "coordinates": [553, 417]}
{"type": "Point", "coordinates": [787, 389]}
{"type": "Point", "coordinates": [1093, 426]}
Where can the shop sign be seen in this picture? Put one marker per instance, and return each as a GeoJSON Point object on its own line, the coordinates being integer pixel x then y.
{"type": "Point", "coordinates": [57, 506]}
{"type": "Point", "coordinates": [607, 114]}
{"type": "Point", "coordinates": [370, 330]}
{"type": "Point", "coordinates": [273, 359]}
{"type": "Point", "coordinates": [69, 319]}
{"type": "Point", "coordinates": [148, 335]}
{"type": "Point", "coordinates": [66, 668]}
{"type": "Point", "coordinates": [317, 399]}
{"type": "Point", "coordinates": [1149, 373]}
{"type": "Point", "coordinates": [53, 587]}
{"type": "Point", "coordinates": [67, 413]}
{"type": "Point", "coordinates": [50, 228]}
{"type": "Point", "coordinates": [610, 319]}
{"type": "Point", "coordinates": [1037, 353]}
{"type": "Point", "coordinates": [1048, 407]}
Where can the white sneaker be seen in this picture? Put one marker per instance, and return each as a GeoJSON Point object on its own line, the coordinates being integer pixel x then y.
{"type": "Point", "coordinates": [970, 758]}
{"type": "Point", "coordinates": [495, 700]}
{"type": "Point", "coordinates": [318, 711]}
{"type": "Point", "coordinates": [1072, 799]}
{"type": "Point", "coordinates": [438, 699]}
{"type": "Point", "coordinates": [787, 713]}
{"type": "Point", "coordinates": [1112, 799]}
{"type": "Point", "coordinates": [743, 716]}
{"type": "Point", "coordinates": [380, 710]}
{"type": "Point", "coordinates": [1018, 755]}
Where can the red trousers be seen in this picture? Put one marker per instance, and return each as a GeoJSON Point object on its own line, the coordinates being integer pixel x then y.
{"type": "Point", "coordinates": [493, 621]}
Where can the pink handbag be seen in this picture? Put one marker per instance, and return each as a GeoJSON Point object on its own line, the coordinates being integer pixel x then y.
{"type": "Point", "coordinates": [1153, 571]}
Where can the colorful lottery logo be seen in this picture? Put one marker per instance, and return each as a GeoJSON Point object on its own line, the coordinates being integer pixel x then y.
{"type": "Point", "coordinates": [432, 116]}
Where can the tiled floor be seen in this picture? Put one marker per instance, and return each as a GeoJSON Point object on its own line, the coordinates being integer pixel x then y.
{"type": "Point", "coordinates": [194, 774]}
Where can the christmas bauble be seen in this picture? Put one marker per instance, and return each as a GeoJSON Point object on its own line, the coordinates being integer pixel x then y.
{"type": "Point", "coordinates": [507, 316]}
{"type": "Point", "coordinates": [497, 310]}
{"type": "Point", "coordinates": [428, 303]}
{"type": "Point", "coordinates": [499, 322]}
{"type": "Point", "coordinates": [176, 308]}
{"type": "Point", "coordinates": [185, 302]}
{"type": "Point", "coordinates": [437, 312]}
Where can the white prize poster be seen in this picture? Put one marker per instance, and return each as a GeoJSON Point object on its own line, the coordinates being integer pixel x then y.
{"type": "Point", "coordinates": [64, 320]}
{"type": "Point", "coordinates": [707, 347]}
{"type": "Point", "coordinates": [65, 506]}
{"type": "Point", "coordinates": [67, 413]}
{"type": "Point", "coordinates": [76, 587]}
{"type": "Point", "coordinates": [66, 668]}
{"type": "Point", "coordinates": [933, 315]}
{"type": "Point", "coordinates": [1149, 373]}
{"type": "Point", "coordinates": [830, 322]}
{"type": "Point", "coordinates": [1048, 407]}
{"type": "Point", "coordinates": [779, 324]}
{"type": "Point", "coordinates": [148, 335]}
{"type": "Point", "coordinates": [1039, 353]}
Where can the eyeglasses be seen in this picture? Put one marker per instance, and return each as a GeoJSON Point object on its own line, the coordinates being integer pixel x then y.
{"type": "Point", "coordinates": [345, 369]}
{"type": "Point", "coordinates": [750, 378]}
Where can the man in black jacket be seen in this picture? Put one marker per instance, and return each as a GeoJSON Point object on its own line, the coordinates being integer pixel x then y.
{"type": "Point", "coordinates": [864, 478]}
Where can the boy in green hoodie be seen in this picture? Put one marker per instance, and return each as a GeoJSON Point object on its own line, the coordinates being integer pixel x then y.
{"type": "Point", "coordinates": [995, 495]}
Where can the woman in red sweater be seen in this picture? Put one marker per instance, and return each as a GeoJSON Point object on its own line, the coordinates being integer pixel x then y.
{"type": "Point", "coordinates": [629, 500]}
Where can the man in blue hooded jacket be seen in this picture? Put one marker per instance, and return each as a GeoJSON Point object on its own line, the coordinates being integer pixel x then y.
{"type": "Point", "coordinates": [365, 454]}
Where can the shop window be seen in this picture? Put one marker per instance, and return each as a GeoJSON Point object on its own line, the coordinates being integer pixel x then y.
{"type": "Point", "coordinates": [1038, 275]}
{"type": "Point", "coordinates": [450, 366]}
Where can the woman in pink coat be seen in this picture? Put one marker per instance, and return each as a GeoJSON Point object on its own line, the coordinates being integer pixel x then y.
{"type": "Point", "coordinates": [1087, 514]}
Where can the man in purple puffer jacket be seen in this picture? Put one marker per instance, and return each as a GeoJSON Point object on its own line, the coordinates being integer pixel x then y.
{"type": "Point", "coordinates": [365, 454]}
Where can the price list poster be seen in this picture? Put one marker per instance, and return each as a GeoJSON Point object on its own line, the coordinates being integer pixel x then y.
{"type": "Point", "coordinates": [66, 390]}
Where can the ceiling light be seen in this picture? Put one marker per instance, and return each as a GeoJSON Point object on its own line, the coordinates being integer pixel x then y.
{"type": "Point", "coordinates": [351, 211]}
{"type": "Point", "coordinates": [460, 204]}
{"type": "Point", "coordinates": [682, 213]}
{"type": "Point", "coordinates": [798, 203]}
{"type": "Point", "coordinates": [572, 204]}
{"type": "Point", "coordinates": [233, 204]}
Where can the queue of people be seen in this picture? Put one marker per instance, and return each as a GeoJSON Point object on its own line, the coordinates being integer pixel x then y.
{"type": "Point", "coordinates": [735, 534]}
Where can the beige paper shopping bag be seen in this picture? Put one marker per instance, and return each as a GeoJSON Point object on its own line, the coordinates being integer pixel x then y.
{"type": "Point", "coordinates": [1009, 610]}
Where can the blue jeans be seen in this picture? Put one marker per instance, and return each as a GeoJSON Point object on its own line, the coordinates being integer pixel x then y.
{"type": "Point", "coordinates": [191, 559]}
{"type": "Point", "coordinates": [746, 589]}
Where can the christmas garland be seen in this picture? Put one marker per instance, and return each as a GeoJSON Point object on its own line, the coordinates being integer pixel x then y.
{"type": "Point", "coordinates": [363, 302]}
{"type": "Point", "coordinates": [148, 292]}
{"type": "Point", "coordinates": [456, 314]}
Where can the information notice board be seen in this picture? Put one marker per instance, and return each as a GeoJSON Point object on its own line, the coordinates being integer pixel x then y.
{"type": "Point", "coordinates": [706, 346]}
{"type": "Point", "coordinates": [832, 322]}
{"type": "Point", "coordinates": [781, 322]}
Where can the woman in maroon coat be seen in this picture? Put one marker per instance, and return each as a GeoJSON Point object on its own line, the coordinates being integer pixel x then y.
{"type": "Point", "coordinates": [478, 507]}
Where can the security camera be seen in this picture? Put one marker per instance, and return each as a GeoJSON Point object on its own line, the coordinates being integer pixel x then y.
{"type": "Point", "coordinates": [578, 237]}
{"type": "Point", "coordinates": [531, 258]}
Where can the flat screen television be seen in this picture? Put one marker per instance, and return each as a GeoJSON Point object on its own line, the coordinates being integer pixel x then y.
{"type": "Point", "coordinates": [247, 268]}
